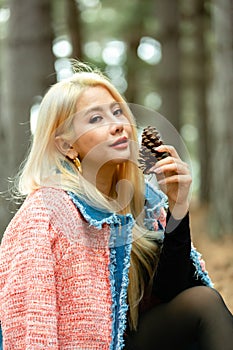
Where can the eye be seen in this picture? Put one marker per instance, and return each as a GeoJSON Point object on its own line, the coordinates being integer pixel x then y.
{"type": "Point", "coordinates": [118, 112]}
{"type": "Point", "coordinates": [95, 119]}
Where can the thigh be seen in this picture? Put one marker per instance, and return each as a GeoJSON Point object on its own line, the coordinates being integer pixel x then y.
{"type": "Point", "coordinates": [169, 326]}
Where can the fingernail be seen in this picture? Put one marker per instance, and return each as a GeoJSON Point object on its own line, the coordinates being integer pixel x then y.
{"type": "Point", "coordinates": [158, 170]}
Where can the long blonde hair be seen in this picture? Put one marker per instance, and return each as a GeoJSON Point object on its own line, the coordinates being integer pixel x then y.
{"type": "Point", "coordinates": [56, 116]}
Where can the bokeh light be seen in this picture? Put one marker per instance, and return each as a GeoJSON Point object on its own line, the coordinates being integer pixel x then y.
{"type": "Point", "coordinates": [149, 50]}
{"type": "Point", "coordinates": [114, 53]}
{"type": "Point", "coordinates": [62, 47]}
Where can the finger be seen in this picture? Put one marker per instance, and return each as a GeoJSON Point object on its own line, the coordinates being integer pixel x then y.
{"type": "Point", "coordinates": [170, 163]}
{"type": "Point", "coordinates": [175, 167]}
{"type": "Point", "coordinates": [168, 148]}
{"type": "Point", "coordinates": [181, 179]}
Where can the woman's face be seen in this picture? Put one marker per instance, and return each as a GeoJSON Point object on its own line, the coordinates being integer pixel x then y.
{"type": "Point", "coordinates": [102, 131]}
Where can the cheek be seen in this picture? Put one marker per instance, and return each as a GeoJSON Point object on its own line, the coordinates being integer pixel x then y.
{"type": "Point", "coordinates": [83, 146]}
{"type": "Point", "coordinates": [87, 142]}
{"type": "Point", "coordinates": [129, 130]}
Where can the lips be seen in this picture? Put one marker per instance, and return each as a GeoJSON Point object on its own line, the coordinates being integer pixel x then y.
{"type": "Point", "coordinates": [120, 141]}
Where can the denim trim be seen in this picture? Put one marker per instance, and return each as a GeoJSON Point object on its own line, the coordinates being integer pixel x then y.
{"type": "Point", "coordinates": [155, 200]}
{"type": "Point", "coordinates": [106, 217]}
{"type": "Point", "coordinates": [123, 299]}
{"type": "Point", "coordinates": [162, 203]}
{"type": "Point", "coordinates": [199, 273]}
{"type": "Point", "coordinates": [118, 238]}
{"type": "Point", "coordinates": [155, 197]}
{"type": "Point", "coordinates": [112, 270]}
{"type": "Point", "coordinates": [1, 340]}
{"type": "Point", "coordinates": [119, 301]}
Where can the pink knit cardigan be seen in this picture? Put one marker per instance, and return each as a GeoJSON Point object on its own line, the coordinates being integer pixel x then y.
{"type": "Point", "coordinates": [54, 284]}
{"type": "Point", "coordinates": [64, 272]}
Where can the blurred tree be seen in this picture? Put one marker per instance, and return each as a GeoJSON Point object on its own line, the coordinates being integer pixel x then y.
{"type": "Point", "coordinates": [221, 176]}
{"type": "Point", "coordinates": [28, 73]}
{"type": "Point", "coordinates": [201, 83]}
{"type": "Point", "coordinates": [3, 141]}
{"type": "Point", "coordinates": [74, 28]}
{"type": "Point", "coordinates": [195, 29]}
{"type": "Point", "coordinates": [168, 14]}
{"type": "Point", "coordinates": [134, 30]}
{"type": "Point", "coordinates": [133, 38]}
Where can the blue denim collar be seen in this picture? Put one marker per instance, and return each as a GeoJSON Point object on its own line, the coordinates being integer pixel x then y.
{"type": "Point", "coordinates": [154, 200]}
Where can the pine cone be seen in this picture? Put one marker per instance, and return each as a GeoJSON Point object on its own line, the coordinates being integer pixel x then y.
{"type": "Point", "coordinates": [148, 156]}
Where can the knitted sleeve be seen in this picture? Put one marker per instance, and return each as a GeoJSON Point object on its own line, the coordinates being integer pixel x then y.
{"type": "Point", "coordinates": [28, 308]}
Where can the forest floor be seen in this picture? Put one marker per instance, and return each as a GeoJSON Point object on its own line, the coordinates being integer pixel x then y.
{"type": "Point", "coordinates": [217, 253]}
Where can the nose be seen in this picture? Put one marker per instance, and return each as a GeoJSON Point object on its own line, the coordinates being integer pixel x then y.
{"type": "Point", "coordinates": [117, 127]}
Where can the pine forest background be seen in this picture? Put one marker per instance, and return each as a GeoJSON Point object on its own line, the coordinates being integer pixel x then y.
{"type": "Point", "coordinates": [174, 57]}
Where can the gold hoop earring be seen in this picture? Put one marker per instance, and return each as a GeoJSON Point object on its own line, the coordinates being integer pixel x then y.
{"type": "Point", "coordinates": [77, 163]}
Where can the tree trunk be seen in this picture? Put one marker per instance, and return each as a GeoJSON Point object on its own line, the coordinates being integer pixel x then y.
{"type": "Point", "coordinates": [4, 211]}
{"type": "Point", "coordinates": [28, 73]}
{"type": "Point", "coordinates": [167, 13]}
{"type": "Point", "coordinates": [74, 28]}
{"type": "Point", "coordinates": [221, 176]}
{"type": "Point", "coordinates": [133, 34]}
{"type": "Point", "coordinates": [200, 85]}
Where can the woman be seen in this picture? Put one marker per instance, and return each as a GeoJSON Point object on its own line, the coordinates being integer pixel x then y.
{"type": "Point", "coordinates": [85, 263]}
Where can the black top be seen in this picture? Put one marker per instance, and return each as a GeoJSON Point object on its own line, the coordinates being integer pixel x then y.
{"type": "Point", "coordinates": [175, 271]}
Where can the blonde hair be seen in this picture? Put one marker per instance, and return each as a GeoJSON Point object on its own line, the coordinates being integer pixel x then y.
{"type": "Point", "coordinates": [45, 166]}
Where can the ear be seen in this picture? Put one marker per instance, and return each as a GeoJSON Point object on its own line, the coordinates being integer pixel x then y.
{"type": "Point", "coordinates": [65, 148]}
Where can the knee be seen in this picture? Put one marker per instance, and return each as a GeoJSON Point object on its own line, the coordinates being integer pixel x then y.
{"type": "Point", "coordinates": [208, 295]}
{"type": "Point", "coordinates": [204, 298]}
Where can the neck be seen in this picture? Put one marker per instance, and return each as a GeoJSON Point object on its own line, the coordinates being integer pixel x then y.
{"type": "Point", "coordinates": [101, 179]}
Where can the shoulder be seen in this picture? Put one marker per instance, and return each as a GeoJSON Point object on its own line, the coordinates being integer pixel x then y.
{"type": "Point", "coordinates": [47, 197]}
{"type": "Point", "coordinates": [42, 209]}
{"type": "Point", "coordinates": [48, 200]}
{"type": "Point", "coordinates": [62, 214]}
{"type": "Point", "coordinates": [40, 204]}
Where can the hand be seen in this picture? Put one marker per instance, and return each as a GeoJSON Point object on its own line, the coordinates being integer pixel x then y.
{"type": "Point", "coordinates": [174, 178]}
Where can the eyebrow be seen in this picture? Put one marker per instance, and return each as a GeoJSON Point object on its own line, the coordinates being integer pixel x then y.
{"type": "Point", "coordinates": [99, 108]}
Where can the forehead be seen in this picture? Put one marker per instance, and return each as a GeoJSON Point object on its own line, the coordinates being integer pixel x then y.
{"type": "Point", "coordinates": [93, 97]}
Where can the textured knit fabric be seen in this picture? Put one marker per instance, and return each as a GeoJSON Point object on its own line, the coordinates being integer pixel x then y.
{"type": "Point", "coordinates": [64, 273]}
{"type": "Point", "coordinates": [55, 287]}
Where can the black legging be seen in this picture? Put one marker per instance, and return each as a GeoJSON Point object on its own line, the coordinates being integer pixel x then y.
{"type": "Point", "coordinates": [197, 318]}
